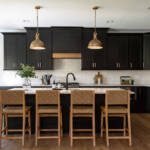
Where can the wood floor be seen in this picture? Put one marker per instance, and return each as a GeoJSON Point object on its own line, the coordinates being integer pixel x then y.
{"type": "Point", "coordinates": [140, 138]}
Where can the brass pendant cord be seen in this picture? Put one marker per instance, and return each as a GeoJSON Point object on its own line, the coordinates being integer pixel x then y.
{"type": "Point", "coordinates": [37, 30]}
{"type": "Point", "coordinates": [95, 43]}
{"type": "Point", "coordinates": [37, 44]}
{"type": "Point", "coordinates": [95, 21]}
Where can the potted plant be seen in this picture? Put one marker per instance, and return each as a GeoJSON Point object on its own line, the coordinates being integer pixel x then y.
{"type": "Point", "coordinates": [26, 72]}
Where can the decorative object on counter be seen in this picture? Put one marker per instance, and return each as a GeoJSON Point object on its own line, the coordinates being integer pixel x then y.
{"type": "Point", "coordinates": [46, 79]}
{"type": "Point", "coordinates": [126, 80]}
{"type": "Point", "coordinates": [95, 43]}
{"type": "Point", "coordinates": [26, 72]}
{"type": "Point", "coordinates": [98, 79]}
{"type": "Point", "coordinates": [37, 44]}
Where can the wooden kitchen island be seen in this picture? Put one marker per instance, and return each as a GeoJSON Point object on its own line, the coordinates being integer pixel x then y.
{"type": "Point", "coordinates": [65, 105]}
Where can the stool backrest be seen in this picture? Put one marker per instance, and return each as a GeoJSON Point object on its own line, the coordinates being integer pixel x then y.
{"type": "Point", "coordinates": [12, 97]}
{"type": "Point", "coordinates": [49, 97]}
{"type": "Point", "coordinates": [82, 97]}
{"type": "Point", "coordinates": [117, 97]}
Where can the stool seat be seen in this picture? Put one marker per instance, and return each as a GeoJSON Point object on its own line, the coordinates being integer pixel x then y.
{"type": "Point", "coordinates": [82, 106]}
{"type": "Point", "coordinates": [48, 105]}
{"type": "Point", "coordinates": [82, 109]}
{"type": "Point", "coordinates": [48, 109]}
{"type": "Point", "coordinates": [15, 109]}
{"type": "Point", "coordinates": [13, 104]}
{"type": "Point", "coordinates": [115, 109]}
{"type": "Point", "coordinates": [117, 104]}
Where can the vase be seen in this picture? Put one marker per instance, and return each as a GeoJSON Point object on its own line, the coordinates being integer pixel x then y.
{"type": "Point", "coordinates": [27, 83]}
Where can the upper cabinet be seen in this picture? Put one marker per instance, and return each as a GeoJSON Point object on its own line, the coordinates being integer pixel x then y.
{"type": "Point", "coordinates": [14, 50]}
{"type": "Point", "coordinates": [124, 51]}
{"type": "Point", "coordinates": [40, 59]}
{"type": "Point", "coordinates": [146, 51]}
{"type": "Point", "coordinates": [117, 52]}
{"type": "Point", "coordinates": [121, 51]}
{"type": "Point", "coordinates": [66, 39]}
{"type": "Point", "coordinates": [135, 50]}
{"type": "Point", "coordinates": [93, 59]}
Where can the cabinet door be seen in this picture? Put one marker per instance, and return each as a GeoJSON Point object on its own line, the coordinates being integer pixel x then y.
{"type": "Point", "coordinates": [135, 51]}
{"type": "Point", "coordinates": [14, 50]}
{"type": "Point", "coordinates": [41, 60]}
{"type": "Point", "coordinates": [93, 59]}
{"type": "Point", "coordinates": [117, 52]}
{"type": "Point", "coordinates": [146, 52]}
{"type": "Point", "coordinates": [146, 98]}
{"type": "Point", "coordinates": [66, 39]}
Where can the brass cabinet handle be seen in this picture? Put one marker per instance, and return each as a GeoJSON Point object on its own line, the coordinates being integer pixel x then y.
{"type": "Point", "coordinates": [93, 65]}
{"type": "Point", "coordinates": [117, 65]}
{"type": "Point", "coordinates": [131, 65]}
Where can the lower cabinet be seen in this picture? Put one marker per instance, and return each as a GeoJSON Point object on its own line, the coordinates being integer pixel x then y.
{"type": "Point", "coordinates": [141, 103]}
{"type": "Point", "coordinates": [146, 99]}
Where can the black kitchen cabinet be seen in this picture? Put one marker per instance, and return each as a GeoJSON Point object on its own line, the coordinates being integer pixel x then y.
{"type": "Point", "coordinates": [40, 59]}
{"type": "Point", "coordinates": [146, 100]}
{"type": "Point", "coordinates": [117, 52]}
{"type": "Point", "coordinates": [135, 50]}
{"type": "Point", "coordinates": [66, 39]}
{"type": "Point", "coordinates": [146, 51]}
{"type": "Point", "coordinates": [93, 59]}
{"type": "Point", "coordinates": [14, 50]}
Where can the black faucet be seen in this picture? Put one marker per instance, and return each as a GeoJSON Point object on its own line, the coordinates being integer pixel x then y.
{"type": "Point", "coordinates": [74, 78]}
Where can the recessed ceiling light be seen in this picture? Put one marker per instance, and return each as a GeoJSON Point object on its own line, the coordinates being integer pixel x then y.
{"type": "Point", "coordinates": [110, 21]}
{"type": "Point", "coordinates": [25, 20]}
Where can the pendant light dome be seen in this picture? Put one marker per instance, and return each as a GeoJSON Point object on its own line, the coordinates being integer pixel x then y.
{"type": "Point", "coordinates": [37, 44]}
{"type": "Point", "coordinates": [95, 43]}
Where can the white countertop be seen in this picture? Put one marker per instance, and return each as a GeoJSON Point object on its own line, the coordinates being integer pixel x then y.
{"type": "Point", "coordinates": [84, 85]}
{"type": "Point", "coordinates": [64, 91]}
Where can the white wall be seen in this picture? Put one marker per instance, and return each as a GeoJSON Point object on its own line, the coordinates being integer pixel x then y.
{"type": "Point", "coordinates": [63, 66]}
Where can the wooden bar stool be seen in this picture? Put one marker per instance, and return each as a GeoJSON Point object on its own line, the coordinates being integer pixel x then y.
{"type": "Point", "coordinates": [48, 105]}
{"type": "Point", "coordinates": [13, 105]}
{"type": "Point", "coordinates": [82, 105]}
{"type": "Point", "coordinates": [117, 104]}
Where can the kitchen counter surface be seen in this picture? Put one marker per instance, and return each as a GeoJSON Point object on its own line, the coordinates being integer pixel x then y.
{"type": "Point", "coordinates": [112, 85]}
{"type": "Point", "coordinates": [81, 85]}
{"type": "Point", "coordinates": [64, 91]}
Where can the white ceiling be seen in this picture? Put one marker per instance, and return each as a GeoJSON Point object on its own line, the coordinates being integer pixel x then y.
{"type": "Point", "coordinates": [126, 14]}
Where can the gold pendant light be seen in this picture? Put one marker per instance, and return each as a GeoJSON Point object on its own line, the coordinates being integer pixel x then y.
{"type": "Point", "coordinates": [95, 43]}
{"type": "Point", "coordinates": [37, 44]}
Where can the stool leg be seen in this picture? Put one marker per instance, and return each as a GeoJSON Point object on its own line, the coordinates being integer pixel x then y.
{"type": "Point", "coordinates": [6, 123]}
{"type": "Point", "coordinates": [129, 129]}
{"type": "Point", "coordinates": [124, 125]}
{"type": "Point", "coordinates": [36, 129]}
{"type": "Point", "coordinates": [106, 122]}
{"type": "Point", "coordinates": [29, 122]}
{"type": "Point", "coordinates": [61, 125]}
{"type": "Point", "coordinates": [71, 129]}
{"type": "Point", "coordinates": [23, 128]}
{"type": "Point", "coordinates": [102, 124]}
{"type": "Point", "coordinates": [93, 130]}
{"type": "Point", "coordinates": [59, 128]}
